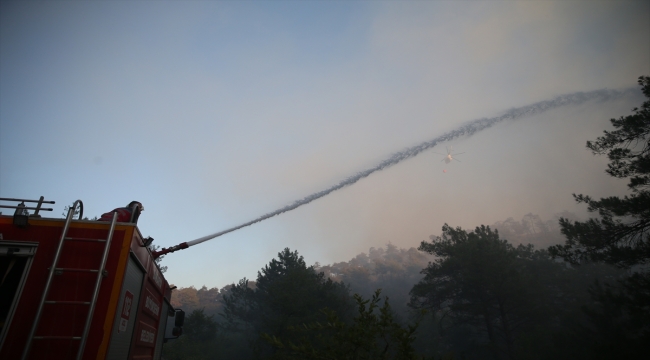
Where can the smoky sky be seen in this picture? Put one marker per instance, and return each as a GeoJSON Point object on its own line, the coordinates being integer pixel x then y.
{"type": "Point", "coordinates": [214, 113]}
{"type": "Point", "coordinates": [468, 129]}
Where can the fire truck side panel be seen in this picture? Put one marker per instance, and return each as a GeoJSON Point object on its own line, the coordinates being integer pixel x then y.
{"type": "Point", "coordinates": [24, 311]}
{"type": "Point", "coordinates": [58, 319]}
{"type": "Point", "coordinates": [131, 277]}
{"type": "Point", "coordinates": [116, 300]}
{"type": "Point", "coordinates": [162, 325]}
{"type": "Point", "coordinates": [149, 310]}
{"type": "Point", "coordinates": [124, 322]}
{"type": "Point", "coordinates": [69, 320]}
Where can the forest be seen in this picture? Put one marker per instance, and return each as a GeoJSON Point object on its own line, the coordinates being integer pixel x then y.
{"type": "Point", "coordinates": [564, 288]}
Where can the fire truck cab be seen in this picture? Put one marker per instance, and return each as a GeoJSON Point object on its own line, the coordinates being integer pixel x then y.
{"type": "Point", "coordinates": [79, 289]}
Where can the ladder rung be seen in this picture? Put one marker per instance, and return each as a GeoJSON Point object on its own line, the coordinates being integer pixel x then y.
{"type": "Point", "coordinates": [77, 270]}
{"type": "Point", "coordinates": [68, 302]}
{"type": "Point", "coordinates": [84, 239]}
{"type": "Point", "coordinates": [57, 337]}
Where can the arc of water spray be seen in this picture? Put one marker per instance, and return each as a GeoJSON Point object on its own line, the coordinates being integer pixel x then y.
{"type": "Point", "coordinates": [467, 129]}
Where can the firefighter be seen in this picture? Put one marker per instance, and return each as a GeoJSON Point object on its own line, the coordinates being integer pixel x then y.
{"type": "Point", "coordinates": [130, 213]}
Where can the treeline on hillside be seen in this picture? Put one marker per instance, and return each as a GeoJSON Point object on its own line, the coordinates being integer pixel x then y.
{"type": "Point", "coordinates": [391, 269]}
{"type": "Point", "coordinates": [532, 229]}
{"type": "Point", "coordinates": [190, 299]}
{"type": "Point", "coordinates": [480, 295]}
{"type": "Point", "coordinates": [291, 311]}
{"type": "Point", "coordinates": [484, 298]}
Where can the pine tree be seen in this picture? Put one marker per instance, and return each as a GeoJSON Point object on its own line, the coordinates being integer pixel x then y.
{"type": "Point", "coordinates": [620, 318]}
{"type": "Point", "coordinates": [622, 234]}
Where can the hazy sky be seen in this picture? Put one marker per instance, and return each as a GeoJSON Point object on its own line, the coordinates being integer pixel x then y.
{"type": "Point", "coordinates": [213, 113]}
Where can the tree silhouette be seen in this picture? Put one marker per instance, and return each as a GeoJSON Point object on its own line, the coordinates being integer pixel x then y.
{"type": "Point", "coordinates": [287, 294]}
{"type": "Point", "coordinates": [483, 282]}
{"type": "Point", "coordinates": [620, 317]}
{"type": "Point", "coordinates": [622, 234]}
{"type": "Point", "coordinates": [373, 334]}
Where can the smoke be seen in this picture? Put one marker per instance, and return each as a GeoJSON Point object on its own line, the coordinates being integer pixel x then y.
{"type": "Point", "coordinates": [468, 129]}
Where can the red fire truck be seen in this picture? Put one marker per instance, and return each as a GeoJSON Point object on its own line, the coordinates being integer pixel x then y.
{"type": "Point", "coordinates": [79, 289]}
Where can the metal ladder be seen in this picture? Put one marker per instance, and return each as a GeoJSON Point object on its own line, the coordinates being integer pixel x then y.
{"type": "Point", "coordinates": [84, 336]}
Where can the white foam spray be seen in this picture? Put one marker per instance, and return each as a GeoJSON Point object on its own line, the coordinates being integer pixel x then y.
{"type": "Point", "coordinates": [464, 130]}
